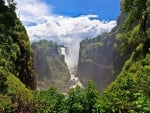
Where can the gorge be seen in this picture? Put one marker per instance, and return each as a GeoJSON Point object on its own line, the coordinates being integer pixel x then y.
{"type": "Point", "coordinates": [41, 77]}
{"type": "Point", "coordinates": [65, 65]}
{"type": "Point", "coordinates": [94, 59]}
{"type": "Point", "coordinates": [74, 81]}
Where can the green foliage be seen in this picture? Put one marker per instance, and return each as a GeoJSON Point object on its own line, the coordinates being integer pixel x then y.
{"type": "Point", "coordinates": [130, 40]}
{"type": "Point", "coordinates": [12, 4]}
{"type": "Point", "coordinates": [23, 63]}
{"type": "Point", "coordinates": [135, 26]}
{"type": "Point", "coordinates": [77, 100]}
{"type": "Point", "coordinates": [15, 60]}
{"type": "Point", "coordinates": [83, 100]}
{"type": "Point", "coordinates": [15, 50]}
{"type": "Point", "coordinates": [137, 11]}
{"type": "Point", "coordinates": [3, 79]}
{"type": "Point", "coordinates": [130, 92]}
{"type": "Point", "coordinates": [50, 101]}
{"type": "Point", "coordinates": [92, 96]}
{"type": "Point", "coordinates": [16, 95]}
{"type": "Point", "coordinates": [17, 90]}
{"type": "Point", "coordinates": [5, 104]}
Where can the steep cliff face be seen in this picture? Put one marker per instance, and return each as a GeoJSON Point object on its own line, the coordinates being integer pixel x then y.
{"type": "Point", "coordinates": [99, 59]}
{"type": "Point", "coordinates": [15, 49]}
{"type": "Point", "coordinates": [17, 77]}
{"type": "Point", "coordinates": [51, 69]}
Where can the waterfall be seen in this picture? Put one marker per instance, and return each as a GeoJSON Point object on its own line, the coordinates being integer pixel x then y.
{"type": "Point", "coordinates": [71, 59]}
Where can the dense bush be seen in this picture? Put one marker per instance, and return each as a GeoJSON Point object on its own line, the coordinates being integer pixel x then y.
{"type": "Point", "coordinates": [77, 100]}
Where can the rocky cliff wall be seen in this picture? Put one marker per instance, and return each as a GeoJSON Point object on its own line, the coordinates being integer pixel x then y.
{"type": "Point", "coordinates": [99, 59]}
{"type": "Point", "coordinates": [50, 66]}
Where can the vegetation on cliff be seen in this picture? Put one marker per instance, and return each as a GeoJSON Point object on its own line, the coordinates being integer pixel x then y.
{"type": "Point", "coordinates": [50, 66]}
{"type": "Point", "coordinates": [15, 51]}
{"type": "Point", "coordinates": [16, 71]}
{"type": "Point", "coordinates": [99, 59]}
{"type": "Point", "coordinates": [129, 93]}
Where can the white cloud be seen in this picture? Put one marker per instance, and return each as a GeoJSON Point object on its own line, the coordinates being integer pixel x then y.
{"type": "Point", "coordinates": [68, 29]}
{"type": "Point", "coordinates": [63, 30]}
{"type": "Point", "coordinates": [32, 11]}
{"type": "Point", "coordinates": [55, 27]}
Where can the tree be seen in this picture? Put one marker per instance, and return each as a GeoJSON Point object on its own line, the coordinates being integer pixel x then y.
{"type": "Point", "coordinates": [12, 4]}
{"type": "Point", "coordinates": [137, 13]}
{"type": "Point", "coordinates": [2, 2]}
{"type": "Point", "coordinates": [135, 26]}
{"type": "Point", "coordinates": [76, 100]}
{"type": "Point", "coordinates": [3, 79]}
{"type": "Point", "coordinates": [92, 97]}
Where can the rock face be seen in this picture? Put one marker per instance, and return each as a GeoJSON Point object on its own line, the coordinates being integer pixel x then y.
{"type": "Point", "coordinates": [99, 60]}
{"type": "Point", "coordinates": [51, 69]}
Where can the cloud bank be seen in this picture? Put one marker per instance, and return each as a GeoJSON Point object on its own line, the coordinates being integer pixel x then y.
{"type": "Point", "coordinates": [32, 11]}
{"type": "Point", "coordinates": [67, 29]}
{"type": "Point", "coordinates": [41, 23]}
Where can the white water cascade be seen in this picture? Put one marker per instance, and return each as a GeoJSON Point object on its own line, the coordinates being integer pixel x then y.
{"type": "Point", "coordinates": [72, 63]}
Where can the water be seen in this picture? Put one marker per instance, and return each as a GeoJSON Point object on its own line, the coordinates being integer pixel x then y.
{"type": "Point", "coordinates": [71, 63]}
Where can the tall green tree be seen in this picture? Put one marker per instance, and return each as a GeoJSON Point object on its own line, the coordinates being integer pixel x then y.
{"type": "Point", "coordinates": [137, 11]}
{"type": "Point", "coordinates": [135, 26]}
{"type": "Point", "coordinates": [77, 100]}
{"type": "Point", "coordinates": [92, 97]}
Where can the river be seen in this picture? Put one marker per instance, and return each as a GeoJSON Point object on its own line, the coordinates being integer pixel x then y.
{"type": "Point", "coordinates": [71, 63]}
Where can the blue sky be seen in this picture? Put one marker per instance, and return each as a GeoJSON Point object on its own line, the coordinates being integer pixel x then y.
{"type": "Point", "coordinates": [105, 9]}
{"type": "Point", "coordinates": [67, 22]}
{"type": "Point", "coordinates": [62, 20]}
